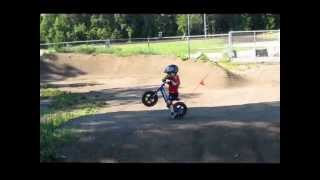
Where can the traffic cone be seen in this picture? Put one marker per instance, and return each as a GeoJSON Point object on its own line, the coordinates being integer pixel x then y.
{"type": "Point", "coordinates": [202, 82]}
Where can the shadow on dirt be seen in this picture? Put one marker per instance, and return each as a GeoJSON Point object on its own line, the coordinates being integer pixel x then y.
{"type": "Point", "coordinates": [114, 96]}
{"type": "Point", "coordinates": [69, 85]}
{"type": "Point", "coordinates": [124, 96]}
{"type": "Point", "coordinates": [50, 56]}
{"type": "Point", "coordinates": [239, 133]}
{"type": "Point", "coordinates": [232, 78]}
{"type": "Point", "coordinates": [52, 72]}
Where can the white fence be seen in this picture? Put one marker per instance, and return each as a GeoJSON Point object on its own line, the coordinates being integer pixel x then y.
{"type": "Point", "coordinates": [261, 45]}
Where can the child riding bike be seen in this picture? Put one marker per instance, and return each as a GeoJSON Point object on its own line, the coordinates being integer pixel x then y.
{"type": "Point", "coordinates": [172, 79]}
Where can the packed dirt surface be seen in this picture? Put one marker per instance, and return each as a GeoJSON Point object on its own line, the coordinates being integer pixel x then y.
{"type": "Point", "coordinates": [233, 117]}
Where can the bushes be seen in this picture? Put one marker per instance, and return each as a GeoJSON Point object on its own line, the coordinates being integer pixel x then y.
{"type": "Point", "coordinates": [203, 57]}
{"type": "Point", "coordinates": [86, 50]}
{"type": "Point", "coordinates": [62, 27]}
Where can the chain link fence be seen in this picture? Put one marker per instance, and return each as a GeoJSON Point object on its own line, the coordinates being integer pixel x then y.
{"type": "Point", "coordinates": [255, 45]}
{"type": "Point", "coordinates": [236, 45]}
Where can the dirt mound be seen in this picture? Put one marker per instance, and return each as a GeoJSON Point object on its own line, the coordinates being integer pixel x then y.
{"type": "Point", "coordinates": [141, 69]}
{"type": "Point", "coordinates": [240, 108]}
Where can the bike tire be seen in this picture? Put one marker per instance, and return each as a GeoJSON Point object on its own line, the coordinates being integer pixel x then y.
{"type": "Point", "coordinates": [149, 98]}
{"type": "Point", "coordinates": [180, 108]}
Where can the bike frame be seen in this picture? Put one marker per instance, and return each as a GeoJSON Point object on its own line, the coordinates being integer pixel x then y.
{"type": "Point", "coordinates": [163, 92]}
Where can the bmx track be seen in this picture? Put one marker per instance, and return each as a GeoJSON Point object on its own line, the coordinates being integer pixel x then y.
{"type": "Point", "coordinates": [234, 117]}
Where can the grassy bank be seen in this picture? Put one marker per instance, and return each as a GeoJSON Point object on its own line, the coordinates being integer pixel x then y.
{"type": "Point", "coordinates": [176, 48]}
{"type": "Point", "coordinates": [64, 107]}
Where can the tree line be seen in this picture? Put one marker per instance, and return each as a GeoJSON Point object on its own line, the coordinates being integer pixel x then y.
{"type": "Point", "coordinates": [73, 27]}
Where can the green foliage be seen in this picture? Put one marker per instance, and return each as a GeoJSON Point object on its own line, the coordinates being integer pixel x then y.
{"type": "Point", "coordinates": [225, 58]}
{"type": "Point", "coordinates": [115, 34]}
{"type": "Point", "coordinates": [271, 22]}
{"type": "Point", "coordinates": [246, 22]}
{"type": "Point", "coordinates": [46, 28]}
{"type": "Point", "coordinates": [86, 49]}
{"type": "Point", "coordinates": [52, 136]}
{"type": "Point", "coordinates": [182, 24]}
{"type": "Point", "coordinates": [177, 48]}
{"type": "Point", "coordinates": [183, 57]}
{"type": "Point", "coordinates": [71, 27]}
{"type": "Point", "coordinates": [196, 24]}
{"type": "Point", "coordinates": [80, 31]}
{"type": "Point", "coordinates": [203, 57]}
{"type": "Point", "coordinates": [65, 107]}
{"type": "Point", "coordinates": [50, 92]}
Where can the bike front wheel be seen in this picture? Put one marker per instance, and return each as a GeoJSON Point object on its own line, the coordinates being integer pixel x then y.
{"type": "Point", "coordinates": [149, 98]}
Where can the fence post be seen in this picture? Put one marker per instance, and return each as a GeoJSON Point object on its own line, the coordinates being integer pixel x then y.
{"type": "Point", "coordinates": [230, 44]}
{"type": "Point", "coordinates": [189, 47]}
{"type": "Point", "coordinates": [255, 44]}
{"type": "Point", "coordinates": [148, 43]}
{"type": "Point", "coordinates": [107, 43]}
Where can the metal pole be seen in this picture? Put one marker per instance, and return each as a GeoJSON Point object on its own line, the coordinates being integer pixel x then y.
{"type": "Point", "coordinates": [148, 43]}
{"type": "Point", "coordinates": [188, 25]}
{"type": "Point", "coordinates": [230, 54]}
{"type": "Point", "coordinates": [107, 43]}
{"type": "Point", "coordinates": [189, 47]}
{"type": "Point", "coordinates": [255, 44]}
{"type": "Point", "coordinates": [188, 36]}
{"type": "Point", "coordinates": [205, 26]}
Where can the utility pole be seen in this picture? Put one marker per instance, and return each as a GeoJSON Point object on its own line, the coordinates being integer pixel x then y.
{"type": "Point", "coordinates": [188, 25]}
{"type": "Point", "coordinates": [188, 36]}
{"type": "Point", "coordinates": [205, 25]}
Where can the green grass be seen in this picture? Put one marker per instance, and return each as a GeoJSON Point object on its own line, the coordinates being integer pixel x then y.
{"type": "Point", "coordinates": [176, 48]}
{"type": "Point", "coordinates": [51, 136]}
{"type": "Point", "coordinates": [65, 107]}
{"type": "Point", "coordinates": [50, 92]}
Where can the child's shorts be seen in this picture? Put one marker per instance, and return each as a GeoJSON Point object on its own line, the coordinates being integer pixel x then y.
{"type": "Point", "coordinates": [173, 96]}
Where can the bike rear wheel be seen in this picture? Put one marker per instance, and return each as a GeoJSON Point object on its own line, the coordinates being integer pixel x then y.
{"type": "Point", "coordinates": [180, 108]}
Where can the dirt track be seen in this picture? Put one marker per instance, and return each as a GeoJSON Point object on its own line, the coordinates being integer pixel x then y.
{"type": "Point", "coordinates": [235, 117]}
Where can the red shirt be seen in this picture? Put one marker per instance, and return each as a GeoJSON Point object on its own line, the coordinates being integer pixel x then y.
{"type": "Point", "coordinates": [174, 88]}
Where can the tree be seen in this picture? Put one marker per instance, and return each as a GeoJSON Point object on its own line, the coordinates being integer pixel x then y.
{"type": "Point", "coordinates": [196, 24]}
{"type": "Point", "coordinates": [80, 32]}
{"type": "Point", "coordinates": [181, 21]}
{"type": "Point", "coordinates": [61, 27]}
{"type": "Point", "coordinates": [148, 28]}
{"type": "Point", "coordinates": [167, 24]}
{"type": "Point", "coordinates": [102, 33]}
{"type": "Point", "coordinates": [272, 21]}
{"type": "Point", "coordinates": [57, 28]}
{"type": "Point", "coordinates": [45, 28]}
{"type": "Point", "coordinates": [120, 26]}
{"type": "Point", "coordinates": [130, 31]}
{"type": "Point", "coordinates": [246, 22]}
{"type": "Point", "coordinates": [223, 23]}
{"type": "Point", "coordinates": [115, 34]}
{"type": "Point", "coordinates": [258, 22]}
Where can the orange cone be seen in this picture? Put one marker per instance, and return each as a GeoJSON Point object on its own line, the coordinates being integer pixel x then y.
{"type": "Point", "coordinates": [202, 83]}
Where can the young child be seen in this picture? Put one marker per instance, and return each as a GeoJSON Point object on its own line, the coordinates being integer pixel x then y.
{"type": "Point", "coordinates": [172, 79]}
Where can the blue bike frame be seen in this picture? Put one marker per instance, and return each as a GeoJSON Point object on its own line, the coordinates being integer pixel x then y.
{"type": "Point", "coordinates": [163, 92]}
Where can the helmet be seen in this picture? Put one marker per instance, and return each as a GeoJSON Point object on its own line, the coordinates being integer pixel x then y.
{"type": "Point", "coordinates": [171, 69]}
